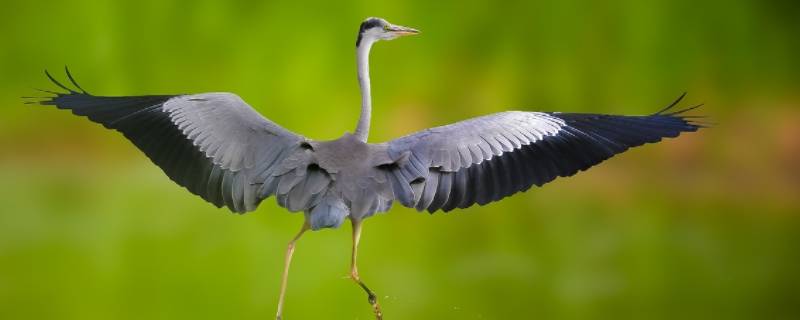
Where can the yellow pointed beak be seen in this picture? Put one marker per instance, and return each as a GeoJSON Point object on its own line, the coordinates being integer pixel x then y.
{"type": "Point", "coordinates": [402, 31]}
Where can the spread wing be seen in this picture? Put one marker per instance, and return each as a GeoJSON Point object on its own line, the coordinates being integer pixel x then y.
{"type": "Point", "coordinates": [213, 144]}
{"type": "Point", "coordinates": [485, 159]}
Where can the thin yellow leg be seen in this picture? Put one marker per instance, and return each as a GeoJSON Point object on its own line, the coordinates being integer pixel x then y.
{"type": "Point", "coordinates": [287, 262]}
{"type": "Point", "coordinates": [371, 297]}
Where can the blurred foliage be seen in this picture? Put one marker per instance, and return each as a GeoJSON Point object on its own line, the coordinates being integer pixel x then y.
{"type": "Point", "coordinates": [704, 226]}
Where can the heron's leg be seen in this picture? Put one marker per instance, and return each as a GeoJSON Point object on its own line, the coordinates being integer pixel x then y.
{"type": "Point", "coordinates": [371, 297]}
{"type": "Point", "coordinates": [287, 262]}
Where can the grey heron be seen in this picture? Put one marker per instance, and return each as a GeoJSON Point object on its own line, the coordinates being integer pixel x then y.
{"type": "Point", "coordinates": [219, 148]}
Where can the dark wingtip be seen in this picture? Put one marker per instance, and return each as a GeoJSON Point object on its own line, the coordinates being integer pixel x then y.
{"type": "Point", "coordinates": [684, 110]}
{"type": "Point", "coordinates": [35, 100]}
{"type": "Point", "coordinates": [71, 79]}
{"type": "Point", "coordinates": [695, 121]}
{"type": "Point", "coordinates": [47, 73]}
{"type": "Point", "coordinates": [40, 100]}
{"type": "Point", "coordinates": [701, 123]}
{"type": "Point", "coordinates": [672, 105]}
{"type": "Point", "coordinates": [46, 91]}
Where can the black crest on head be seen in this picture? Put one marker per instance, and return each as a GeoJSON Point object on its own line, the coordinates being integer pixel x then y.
{"type": "Point", "coordinates": [368, 24]}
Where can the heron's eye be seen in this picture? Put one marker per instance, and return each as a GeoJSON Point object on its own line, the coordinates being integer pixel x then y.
{"type": "Point", "coordinates": [385, 28]}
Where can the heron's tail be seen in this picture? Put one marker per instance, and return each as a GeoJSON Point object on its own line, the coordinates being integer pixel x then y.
{"type": "Point", "coordinates": [329, 213]}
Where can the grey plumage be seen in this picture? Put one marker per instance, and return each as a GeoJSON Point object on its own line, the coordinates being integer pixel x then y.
{"type": "Point", "coordinates": [213, 144]}
{"type": "Point", "coordinates": [219, 148]}
{"type": "Point", "coordinates": [488, 158]}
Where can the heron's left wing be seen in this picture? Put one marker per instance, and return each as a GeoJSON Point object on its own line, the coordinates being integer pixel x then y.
{"type": "Point", "coordinates": [485, 159]}
{"type": "Point", "coordinates": [213, 144]}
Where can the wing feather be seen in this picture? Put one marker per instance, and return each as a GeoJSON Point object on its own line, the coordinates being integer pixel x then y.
{"type": "Point", "coordinates": [485, 159]}
{"type": "Point", "coordinates": [213, 144]}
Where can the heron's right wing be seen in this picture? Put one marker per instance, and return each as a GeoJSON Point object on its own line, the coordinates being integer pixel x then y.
{"type": "Point", "coordinates": [485, 159]}
{"type": "Point", "coordinates": [214, 144]}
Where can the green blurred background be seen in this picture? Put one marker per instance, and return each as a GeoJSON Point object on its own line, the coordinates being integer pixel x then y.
{"type": "Point", "coordinates": [704, 226]}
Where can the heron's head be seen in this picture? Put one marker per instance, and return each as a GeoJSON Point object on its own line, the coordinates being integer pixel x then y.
{"type": "Point", "coordinates": [374, 29]}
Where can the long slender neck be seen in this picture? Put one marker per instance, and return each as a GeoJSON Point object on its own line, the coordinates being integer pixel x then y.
{"type": "Point", "coordinates": [362, 57]}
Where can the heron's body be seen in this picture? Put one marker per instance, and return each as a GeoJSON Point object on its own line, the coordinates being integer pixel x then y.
{"type": "Point", "coordinates": [222, 150]}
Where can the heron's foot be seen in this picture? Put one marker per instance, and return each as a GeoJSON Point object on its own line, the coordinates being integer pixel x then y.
{"type": "Point", "coordinates": [373, 301]}
{"type": "Point", "coordinates": [372, 298]}
{"type": "Point", "coordinates": [376, 307]}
